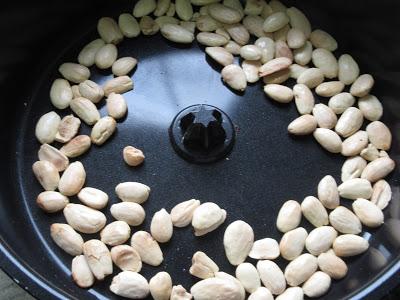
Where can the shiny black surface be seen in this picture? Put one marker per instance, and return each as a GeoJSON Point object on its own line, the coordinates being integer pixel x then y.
{"type": "Point", "coordinates": [265, 168]}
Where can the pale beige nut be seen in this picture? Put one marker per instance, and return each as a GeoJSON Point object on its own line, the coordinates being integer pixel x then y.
{"type": "Point", "coordinates": [144, 8]}
{"type": "Point", "coordinates": [238, 241]}
{"type": "Point", "coordinates": [47, 127]}
{"type": "Point", "coordinates": [381, 194]}
{"type": "Point", "coordinates": [216, 288]}
{"type": "Point", "coordinates": [332, 265]}
{"type": "Point", "coordinates": [283, 50]}
{"type": "Point", "coordinates": [281, 34]}
{"type": "Point", "coordinates": [67, 238]}
{"type": "Point", "coordinates": [300, 269]}
{"type": "Point", "coordinates": [67, 129]}
{"type": "Point", "coordinates": [232, 47]}
{"type": "Point", "coordinates": [51, 201]}
{"type": "Point", "coordinates": [147, 247]}
{"type": "Point", "coordinates": [123, 66]}
{"type": "Point", "coordinates": [326, 62]}
{"type": "Point", "coordinates": [171, 10]}
{"type": "Point", "coordinates": [279, 93]}
{"type": "Point", "coordinates": [299, 20]}
{"type": "Point", "coordinates": [128, 25]}
{"type": "Point", "coordinates": [133, 156]}
{"type": "Point", "coordinates": [349, 245]}
{"type": "Point", "coordinates": [208, 24]}
{"type": "Point", "coordinates": [220, 55]}
{"type": "Point", "coordinates": [87, 54]}
{"type": "Point", "coordinates": [274, 65]}
{"type": "Point", "coordinates": [296, 38]}
{"type": "Point", "coordinates": [129, 212]}
{"type": "Point", "coordinates": [275, 22]}
{"type": "Point", "coordinates": [267, 46]}
{"type": "Point", "coordinates": [81, 273]}
{"type": "Point", "coordinates": [190, 26]}
{"type": "Point", "coordinates": [115, 233]}
{"type": "Point", "coordinates": [322, 39]}
{"type": "Point", "coordinates": [277, 77]}
{"type": "Point", "coordinates": [106, 56]}
{"type": "Point", "coordinates": [118, 85]}
{"type": "Point", "coordinates": [355, 143]}
{"type": "Point", "coordinates": [91, 90]}
{"type": "Point", "coordinates": [311, 77]}
{"type": "Point", "coordinates": [53, 155]}
{"type": "Point", "coordinates": [349, 122]}
{"type": "Point", "coordinates": [355, 188]}
{"type": "Point", "coordinates": [126, 258]}
{"type": "Point", "coordinates": [224, 14]}
{"type": "Point", "coordinates": [254, 24]}
{"type": "Point", "coordinates": [179, 293]}
{"type": "Point", "coordinates": [292, 293]}
{"type": "Point", "coordinates": [340, 102]}
{"type": "Point", "coordinates": [131, 285]}
{"type": "Point", "coordinates": [109, 30]}
{"type": "Point", "coordinates": [98, 258]}
{"type": "Point", "coordinates": [352, 168]}
{"type": "Point", "coordinates": [47, 175]}
{"type": "Point", "coordinates": [304, 99]}
{"type": "Point", "coordinates": [203, 266]}
{"type": "Point", "coordinates": [303, 55]}
{"type": "Point", "coordinates": [368, 213]}
{"type": "Point", "coordinates": [238, 33]}
{"type": "Point", "coordinates": [328, 192]}
{"type": "Point", "coordinates": [330, 88]}
{"type": "Point", "coordinates": [266, 248]}
{"type": "Point", "coordinates": [320, 240]}
{"type": "Point", "coordinates": [75, 73]}
{"type": "Point", "coordinates": [161, 227]}
{"type": "Point", "coordinates": [277, 6]}
{"type": "Point", "coordinates": [370, 153]}
{"type": "Point", "coordinates": [132, 192]}
{"type": "Point", "coordinates": [324, 116]}
{"type": "Point", "coordinates": [234, 77]}
{"type": "Point", "coordinates": [177, 34]}
{"type": "Point", "coordinates": [251, 52]}
{"type": "Point", "coordinates": [296, 70]}
{"type": "Point", "coordinates": [379, 135]}
{"type": "Point", "coordinates": [162, 7]}
{"type": "Point", "coordinates": [378, 169]}
{"type": "Point", "coordinates": [223, 32]}
{"type": "Point", "coordinates": [60, 93]}
{"type": "Point", "coordinates": [163, 20]}
{"type": "Point", "coordinates": [261, 293]}
{"type": "Point", "coordinates": [248, 276]}
{"type": "Point", "coordinates": [161, 286]}
{"type": "Point", "coordinates": [348, 69]}
{"type": "Point", "coordinates": [233, 280]}
{"type": "Point", "coordinates": [77, 146]}
{"type": "Point", "coordinates": [103, 130]}
{"type": "Point", "coordinates": [184, 9]}
{"type": "Point", "coordinates": [328, 139]}
{"type": "Point", "coordinates": [314, 211]}
{"type": "Point", "coordinates": [344, 220]}
{"type": "Point", "coordinates": [253, 7]}
{"type": "Point", "coordinates": [211, 39]}
{"type": "Point", "coordinates": [116, 106]}
{"type": "Point", "coordinates": [85, 110]}
{"type": "Point", "coordinates": [271, 276]}
{"type": "Point", "coordinates": [73, 179]}
{"type": "Point", "coordinates": [292, 243]}
{"type": "Point", "coordinates": [250, 69]}
{"type": "Point", "coordinates": [317, 285]}
{"type": "Point", "coordinates": [289, 216]}
{"type": "Point", "coordinates": [182, 213]}
{"type": "Point", "coordinates": [84, 219]}
{"type": "Point", "coordinates": [362, 86]}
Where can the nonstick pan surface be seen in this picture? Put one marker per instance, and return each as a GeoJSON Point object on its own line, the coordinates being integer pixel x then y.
{"type": "Point", "coordinates": [265, 168]}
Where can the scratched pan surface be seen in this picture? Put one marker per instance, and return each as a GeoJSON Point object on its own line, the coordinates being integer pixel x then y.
{"type": "Point", "coordinates": [265, 168]}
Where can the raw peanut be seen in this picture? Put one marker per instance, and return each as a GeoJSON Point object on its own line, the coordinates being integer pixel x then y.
{"type": "Point", "coordinates": [103, 130]}
{"type": "Point", "coordinates": [322, 39]}
{"type": "Point", "coordinates": [332, 265]}
{"type": "Point", "coordinates": [300, 269]}
{"type": "Point", "coordinates": [47, 127]}
{"type": "Point", "coordinates": [292, 293]}
{"type": "Point", "coordinates": [289, 216]}
{"type": "Point", "coordinates": [279, 93]}
{"type": "Point", "coordinates": [281, 34]}
{"type": "Point", "coordinates": [320, 239]}
{"type": "Point", "coordinates": [47, 175]}
{"type": "Point", "coordinates": [381, 194]}
{"type": "Point", "coordinates": [248, 276]}
{"type": "Point", "coordinates": [81, 273]}
{"type": "Point", "coordinates": [132, 192]}
{"type": "Point", "coordinates": [53, 155]}
{"type": "Point", "coordinates": [129, 212]}
{"type": "Point", "coordinates": [277, 77]}
{"type": "Point", "coordinates": [303, 125]}
{"type": "Point", "coordinates": [250, 69]}
{"type": "Point", "coordinates": [292, 243]}
{"type": "Point", "coordinates": [161, 227]}
{"type": "Point", "coordinates": [362, 86]}
{"type": "Point", "coordinates": [116, 106]}
{"type": "Point", "coordinates": [91, 90]}
{"type": "Point", "coordinates": [208, 24]}
{"type": "Point", "coordinates": [215, 288]}
{"type": "Point", "coordinates": [211, 39]}
{"type": "Point", "coordinates": [93, 198]}
{"type": "Point", "coordinates": [266, 248]}
{"type": "Point", "coordinates": [355, 188]}
{"type": "Point", "coordinates": [383, 153]}
{"type": "Point", "coordinates": [202, 266]}
{"type": "Point", "coordinates": [253, 7]}
{"type": "Point", "coordinates": [171, 10]}
{"type": "Point", "coordinates": [234, 77]}
{"type": "Point", "coordinates": [75, 73]}
{"type": "Point", "coordinates": [144, 8]}
{"type": "Point", "coordinates": [147, 247]}
{"type": "Point", "coordinates": [328, 139]}
{"type": "Point", "coordinates": [177, 34]}
{"type": "Point", "coordinates": [283, 50]}
{"type": "Point", "coordinates": [302, 55]}
{"type": "Point", "coordinates": [368, 213]}
{"type": "Point", "coordinates": [271, 276]}
{"type": "Point", "coordinates": [51, 201]}
{"type": "Point", "coordinates": [109, 31]}
{"type": "Point", "coordinates": [311, 77]}
{"type": "Point", "coordinates": [296, 38]}
{"type": "Point", "coordinates": [224, 14]}
{"type": "Point", "coordinates": [132, 156]}
{"type": "Point", "coordinates": [148, 26]}
{"type": "Point", "coordinates": [220, 55]}
{"type": "Point", "coordinates": [161, 21]}
{"type": "Point", "coordinates": [60, 93]}
{"type": "Point", "coordinates": [251, 52]}
{"type": "Point", "coordinates": [324, 116]}
{"type": "Point", "coordinates": [67, 129]}
{"type": "Point", "coordinates": [299, 20]}
{"type": "Point", "coordinates": [261, 293]}
{"type": "Point", "coordinates": [184, 9]}
{"type": "Point", "coordinates": [379, 135]}
{"type": "Point", "coordinates": [326, 62]}
{"type": "Point", "coordinates": [274, 66]}
{"type": "Point", "coordinates": [340, 102]}
{"type": "Point", "coordinates": [75, 91]}
{"type": "Point", "coordinates": [83, 218]}
{"type": "Point", "coordinates": [349, 122]}
{"type": "Point", "coordinates": [328, 192]}
{"type": "Point", "coordinates": [238, 241]}
{"type": "Point", "coordinates": [348, 69]}
{"type": "Point", "coordinates": [267, 46]}
{"type": "Point", "coordinates": [329, 89]}
{"type": "Point", "coordinates": [126, 258]}
{"type": "Point", "coordinates": [87, 54]}
{"type": "Point", "coordinates": [378, 169]}
{"type": "Point", "coordinates": [204, 2]}
{"type": "Point", "coordinates": [182, 213]}
{"type": "Point", "coordinates": [190, 26]}
{"type": "Point", "coordinates": [317, 285]}
{"type": "Point", "coordinates": [344, 221]}
{"type": "Point", "coordinates": [254, 24]}
{"type": "Point", "coordinates": [130, 284]}
{"type": "Point", "coordinates": [85, 110]}
{"type": "Point", "coordinates": [98, 258]}
{"type": "Point", "coordinates": [275, 22]}
{"type": "Point", "coordinates": [238, 33]}
{"type": "Point", "coordinates": [161, 286]}
{"type": "Point", "coordinates": [128, 25]}
{"type": "Point", "coordinates": [162, 7]}
{"type": "Point", "coordinates": [66, 238]}
{"type": "Point", "coordinates": [353, 167]}
{"type": "Point", "coordinates": [277, 6]}
{"type": "Point", "coordinates": [370, 153]}
{"type": "Point", "coordinates": [304, 99]}
{"type": "Point", "coordinates": [73, 179]}
{"type": "Point", "coordinates": [77, 146]}
{"type": "Point", "coordinates": [106, 56]}
{"type": "Point", "coordinates": [296, 70]}
{"type": "Point", "coordinates": [371, 107]}
{"type": "Point", "coordinates": [115, 233]}
{"type": "Point", "coordinates": [314, 211]}
{"type": "Point", "coordinates": [232, 47]}
{"type": "Point", "coordinates": [355, 143]}
{"type": "Point", "coordinates": [179, 293]}
{"type": "Point", "coordinates": [349, 245]}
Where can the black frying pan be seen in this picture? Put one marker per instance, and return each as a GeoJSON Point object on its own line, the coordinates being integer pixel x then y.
{"type": "Point", "coordinates": [265, 168]}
